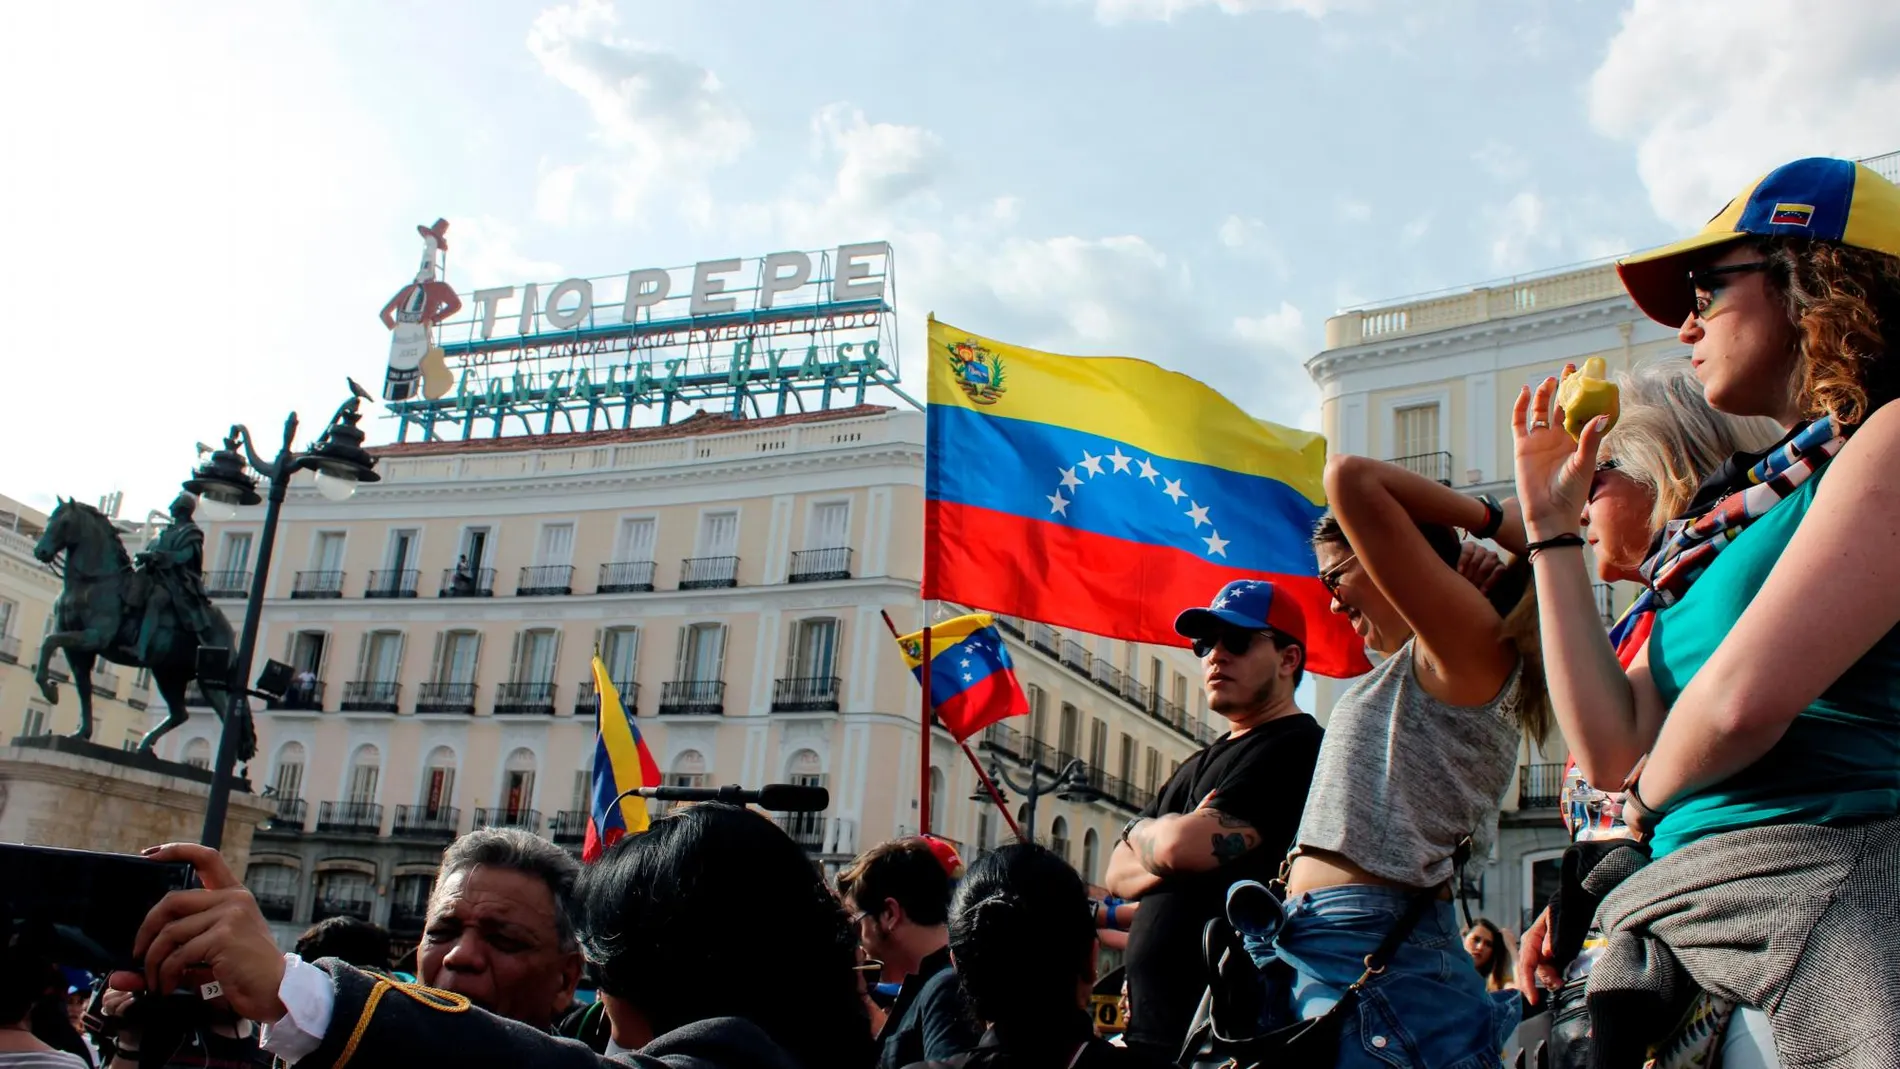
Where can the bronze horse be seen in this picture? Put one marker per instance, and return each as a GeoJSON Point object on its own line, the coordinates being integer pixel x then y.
{"type": "Point", "coordinates": [98, 614]}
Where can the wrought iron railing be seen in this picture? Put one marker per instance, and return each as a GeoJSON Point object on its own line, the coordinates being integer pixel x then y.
{"type": "Point", "coordinates": [228, 583]}
{"type": "Point", "coordinates": [544, 580]}
{"type": "Point", "coordinates": [702, 697]}
{"type": "Point", "coordinates": [819, 565]}
{"type": "Point", "coordinates": [1136, 693]}
{"type": "Point", "coordinates": [306, 696]}
{"type": "Point", "coordinates": [276, 907]}
{"type": "Point", "coordinates": [703, 573]}
{"type": "Point", "coordinates": [1540, 786]}
{"type": "Point", "coordinates": [317, 585]}
{"type": "Point", "coordinates": [806, 829]}
{"type": "Point", "coordinates": [629, 691]}
{"type": "Point", "coordinates": [537, 698]}
{"type": "Point", "coordinates": [805, 694]}
{"type": "Point", "coordinates": [624, 577]}
{"type": "Point", "coordinates": [426, 822]}
{"type": "Point", "coordinates": [371, 696]}
{"type": "Point", "coordinates": [1106, 676]}
{"type": "Point", "coordinates": [359, 817]}
{"type": "Point", "coordinates": [467, 583]}
{"type": "Point", "coordinates": [445, 698]}
{"type": "Point", "coordinates": [1435, 466]}
{"type": "Point", "coordinates": [570, 827]}
{"type": "Point", "coordinates": [1075, 656]}
{"type": "Point", "coordinates": [525, 819]}
{"type": "Point", "coordinates": [290, 815]}
{"type": "Point", "coordinates": [392, 584]}
{"type": "Point", "coordinates": [1043, 637]}
{"type": "Point", "coordinates": [352, 906]}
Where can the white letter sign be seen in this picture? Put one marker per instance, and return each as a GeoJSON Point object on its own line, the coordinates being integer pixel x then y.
{"type": "Point", "coordinates": [704, 286]}
{"type": "Point", "coordinates": [775, 283]}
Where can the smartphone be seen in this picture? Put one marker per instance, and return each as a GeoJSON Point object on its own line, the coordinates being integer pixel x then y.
{"type": "Point", "coordinates": [101, 897]}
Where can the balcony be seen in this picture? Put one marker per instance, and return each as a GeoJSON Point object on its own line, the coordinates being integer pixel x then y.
{"type": "Point", "coordinates": [356, 818]}
{"type": "Point", "coordinates": [804, 695]}
{"type": "Point", "coordinates": [341, 906]}
{"type": "Point", "coordinates": [1107, 676]}
{"type": "Point", "coordinates": [392, 584]}
{"type": "Point", "coordinates": [806, 829]}
{"type": "Point", "coordinates": [276, 907]}
{"type": "Point", "coordinates": [1074, 656]}
{"type": "Point", "coordinates": [105, 682]}
{"type": "Point", "coordinates": [290, 816]}
{"type": "Point", "coordinates": [706, 573]}
{"type": "Point", "coordinates": [307, 697]}
{"type": "Point", "coordinates": [1606, 603]}
{"type": "Point", "coordinates": [228, 583]}
{"type": "Point", "coordinates": [625, 577]}
{"type": "Point", "coordinates": [467, 583]}
{"type": "Point", "coordinates": [446, 698]}
{"type": "Point", "coordinates": [10, 649]}
{"type": "Point", "coordinates": [1434, 466]}
{"type": "Point", "coordinates": [1172, 715]}
{"type": "Point", "coordinates": [1011, 624]}
{"type": "Point", "coordinates": [370, 696]}
{"type": "Point", "coordinates": [569, 828]}
{"type": "Point", "coordinates": [693, 697]}
{"type": "Point", "coordinates": [545, 580]}
{"type": "Point", "coordinates": [1540, 786]}
{"type": "Point", "coordinates": [1043, 637]}
{"type": "Point", "coordinates": [1136, 693]}
{"type": "Point", "coordinates": [629, 692]}
{"type": "Point", "coordinates": [408, 920]}
{"type": "Point", "coordinates": [525, 819]}
{"type": "Point", "coordinates": [426, 822]}
{"type": "Point", "coordinates": [317, 585]}
{"type": "Point", "coordinates": [819, 565]}
{"type": "Point", "coordinates": [534, 699]}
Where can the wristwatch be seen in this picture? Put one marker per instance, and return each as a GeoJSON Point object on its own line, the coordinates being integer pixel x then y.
{"type": "Point", "coordinates": [1129, 829]}
{"type": "Point", "coordinates": [1493, 518]}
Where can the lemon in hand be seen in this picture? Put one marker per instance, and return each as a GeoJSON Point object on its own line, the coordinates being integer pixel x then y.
{"type": "Point", "coordinates": [1586, 394]}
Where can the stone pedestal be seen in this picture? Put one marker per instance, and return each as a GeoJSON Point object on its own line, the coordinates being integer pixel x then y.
{"type": "Point", "coordinates": [56, 791]}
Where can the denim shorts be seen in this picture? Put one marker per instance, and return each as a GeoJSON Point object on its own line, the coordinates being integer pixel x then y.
{"type": "Point", "coordinates": [1428, 1010]}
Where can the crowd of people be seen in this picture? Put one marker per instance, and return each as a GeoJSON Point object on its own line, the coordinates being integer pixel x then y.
{"type": "Point", "coordinates": [1734, 791]}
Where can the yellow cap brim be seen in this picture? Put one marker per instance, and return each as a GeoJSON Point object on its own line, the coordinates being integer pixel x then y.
{"type": "Point", "coordinates": [1658, 279]}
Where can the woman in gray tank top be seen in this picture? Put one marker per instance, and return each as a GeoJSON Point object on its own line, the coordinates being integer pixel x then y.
{"type": "Point", "coordinates": [1417, 757]}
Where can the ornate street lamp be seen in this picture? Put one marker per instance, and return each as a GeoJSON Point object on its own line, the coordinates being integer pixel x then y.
{"type": "Point", "coordinates": [1071, 785]}
{"type": "Point", "coordinates": [340, 463]}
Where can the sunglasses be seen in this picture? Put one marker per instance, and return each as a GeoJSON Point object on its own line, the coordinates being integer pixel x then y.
{"type": "Point", "coordinates": [1706, 282]}
{"type": "Point", "coordinates": [1596, 478]}
{"type": "Point", "coordinates": [1331, 576]}
{"type": "Point", "coordinates": [1234, 641]}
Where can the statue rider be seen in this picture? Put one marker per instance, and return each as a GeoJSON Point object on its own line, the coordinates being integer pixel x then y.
{"type": "Point", "coordinates": [174, 562]}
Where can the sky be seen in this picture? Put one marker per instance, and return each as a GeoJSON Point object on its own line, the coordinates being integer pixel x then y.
{"type": "Point", "coordinates": [207, 204]}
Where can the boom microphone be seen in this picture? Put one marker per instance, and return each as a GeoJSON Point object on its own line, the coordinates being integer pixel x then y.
{"type": "Point", "coordinates": [778, 797]}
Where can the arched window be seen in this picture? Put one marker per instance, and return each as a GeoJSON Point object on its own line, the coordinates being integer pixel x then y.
{"type": "Point", "coordinates": [287, 778]}
{"type": "Point", "coordinates": [275, 888]}
{"type": "Point", "coordinates": [197, 753]}
{"type": "Point", "coordinates": [366, 768]}
{"type": "Point", "coordinates": [438, 783]}
{"type": "Point", "coordinates": [1059, 838]}
{"type": "Point", "coordinates": [409, 903]}
{"type": "Point", "coordinates": [1091, 849]}
{"type": "Point", "coordinates": [517, 786]}
{"type": "Point", "coordinates": [689, 770]}
{"type": "Point", "coordinates": [344, 893]}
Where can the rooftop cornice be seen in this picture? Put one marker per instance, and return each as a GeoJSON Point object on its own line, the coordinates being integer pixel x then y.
{"type": "Point", "coordinates": [1408, 348]}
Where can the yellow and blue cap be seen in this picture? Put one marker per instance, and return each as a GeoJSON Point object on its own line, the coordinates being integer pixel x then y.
{"type": "Point", "coordinates": [1820, 198]}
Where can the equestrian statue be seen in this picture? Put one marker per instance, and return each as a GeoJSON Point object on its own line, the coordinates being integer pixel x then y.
{"type": "Point", "coordinates": [152, 614]}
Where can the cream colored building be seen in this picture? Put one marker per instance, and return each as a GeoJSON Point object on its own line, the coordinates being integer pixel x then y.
{"type": "Point", "coordinates": [120, 696]}
{"type": "Point", "coordinates": [732, 574]}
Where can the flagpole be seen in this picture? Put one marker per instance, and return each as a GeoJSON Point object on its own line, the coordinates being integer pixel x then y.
{"type": "Point", "coordinates": [924, 591]}
{"type": "Point", "coordinates": [989, 784]}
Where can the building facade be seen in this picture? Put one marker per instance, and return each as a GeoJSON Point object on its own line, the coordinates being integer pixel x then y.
{"type": "Point", "coordinates": [121, 697]}
{"type": "Point", "coordinates": [733, 575]}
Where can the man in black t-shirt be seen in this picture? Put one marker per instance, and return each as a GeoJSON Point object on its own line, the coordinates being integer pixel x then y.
{"type": "Point", "coordinates": [1229, 813]}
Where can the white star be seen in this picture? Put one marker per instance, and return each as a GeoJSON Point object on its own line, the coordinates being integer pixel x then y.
{"type": "Point", "coordinates": [1058, 503]}
{"type": "Point", "coordinates": [1091, 464]}
{"type": "Point", "coordinates": [1173, 490]}
{"type": "Point", "coordinates": [967, 677]}
{"type": "Point", "coordinates": [965, 664]}
{"type": "Point", "coordinates": [1223, 601]}
{"type": "Point", "coordinates": [1148, 471]}
{"type": "Point", "coordinates": [1069, 481]}
{"type": "Point", "coordinates": [1197, 512]}
{"type": "Point", "coordinates": [1216, 546]}
{"type": "Point", "coordinates": [1120, 462]}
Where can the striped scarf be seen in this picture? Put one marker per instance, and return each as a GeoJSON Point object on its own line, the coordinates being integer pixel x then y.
{"type": "Point", "coordinates": [1691, 544]}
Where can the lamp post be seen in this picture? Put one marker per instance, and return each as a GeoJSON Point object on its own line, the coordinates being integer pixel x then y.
{"type": "Point", "coordinates": [340, 461]}
{"type": "Point", "coordinates": [1071, 785]}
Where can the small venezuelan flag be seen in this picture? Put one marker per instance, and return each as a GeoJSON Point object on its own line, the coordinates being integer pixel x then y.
{"type": "Point", "coordinates": [972, 684]}
{"type": "Point", "coordinates": [1107, 494]}
{"type": "Point", "coordinates": [621, 763]}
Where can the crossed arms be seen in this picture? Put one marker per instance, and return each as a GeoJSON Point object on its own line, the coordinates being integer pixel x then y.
{"type": "Point", "coordinates": [1177, 843]}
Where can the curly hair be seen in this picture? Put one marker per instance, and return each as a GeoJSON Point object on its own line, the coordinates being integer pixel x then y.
{"type": "Point", "coordinates": [1845, 305]}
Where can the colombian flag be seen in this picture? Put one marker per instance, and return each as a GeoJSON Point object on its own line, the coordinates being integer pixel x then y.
{"type": "Point", "coordinates": [972, 684]}
{"type": "Point", "coordinates": [1108, 494]}
{"type": "Point", "coordinates": [621, 763]}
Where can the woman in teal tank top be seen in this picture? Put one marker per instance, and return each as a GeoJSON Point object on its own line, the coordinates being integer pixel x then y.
{"type": "Point", "coordinates": [1758, 732]}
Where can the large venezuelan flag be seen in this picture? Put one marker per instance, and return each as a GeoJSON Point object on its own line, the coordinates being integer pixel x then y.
{"type": "Point", "coordinates": [1108, 494]}
{"type": "Point", "coordinates": [621, 763]}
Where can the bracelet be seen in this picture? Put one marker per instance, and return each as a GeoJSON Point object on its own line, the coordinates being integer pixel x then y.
{"type": "Point", "coordinates": [1631, 800]}
{"type": "Point", "coordinates": [1128, 829]}
{"type": "Point", "coordinates": [1562, 541]}
{"type": "Point", "coordinates": [1493, 519]}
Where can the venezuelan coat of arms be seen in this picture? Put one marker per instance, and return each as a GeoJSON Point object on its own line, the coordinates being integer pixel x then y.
{"type": "Point", "coordinates": [979, 372]}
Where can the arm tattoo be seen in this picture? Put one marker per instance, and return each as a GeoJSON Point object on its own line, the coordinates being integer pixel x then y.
{"type": "Point", "coordinates": [1228, 847]}
{"type": "Point", "coordinates": [1228, 820]}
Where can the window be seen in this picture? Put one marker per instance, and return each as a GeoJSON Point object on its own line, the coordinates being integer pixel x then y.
{"type": "Point", "coordinates": [556, 546]}
{"type": "Point", "coordinates": [456, 663]}
{"type": "Point", "coordinates": [718, 534]}
{"type": "Point", "coordinates": [306, 653]}
{"type": "Point", "coordinates": [1180, 691]}
{"type": "Point", "coordinates": [517, 784]}
{"type": "Point", "coordinates": [1038, 714]}
{"type": "Point", "coordinates": [327, 555]}
{"type": "Point", "coordinates": [620, 651]}
{"type": "Point", "coordinates": [829, 525]}
{"type": "Point", "coordinates": [197, 753]}
{"type": "Point", "coordinates": [1127, 772]}
{"type": "Point", "coordinates": [345, 893]}
{"type": "Point", "coordinates": [634, 541]}
{"type": "Point", "coordinates": [1059, 838]}
{"type": "Point", "coordinates": [35, 722]}
{"type": "Point", "coordinates": [8, 610]}
{"type": "Point", "coordinates": [382, 657]}
{"type": "Point", "coordinates": [1071, 741]}
{"type": "Point", "coordinates": [142, 681]}
{"type": "Point", "coordinates": [402, 552]}
{"type": "Point", "coordinates": [1154, 683]}
{"type": "Point", "coordinates": [583, 789]}
{"type": "Point", "coordinates": [476, 547]}
{"type": "Point", "coordinates": [234, 552]}
{"type": "Point", "coordinates": [275, 888]}
{"type": "Point", "coordinates": [535, 653]}
{"type": "Point", "coordinates": [132, 740]}
{"type": "Point", "coordinates": [287, 782]}
{"type": "Point", "coordinates": [806, 770]}
{"type": "Point", "coordinates": [409, 900]}
{"type": "Point", "coordinates": [702, 656]}
{"type": "Point", "coordinates": [366, 767]}
{"type": "Point", "coordinates": [1091, 846]}
{"type": "Point", "coordinates": [1154, 770]}
{"type": "Point", "coordinates": [438, 782]}
{"type": "Point", "coordinates": [1415, 430]}
{"type": "Point", "coordinates": [689, 770]}
{"type": "Point", "coordinates": [1098, 744]}
{"type": "Point", "coordinates": [814, 649]}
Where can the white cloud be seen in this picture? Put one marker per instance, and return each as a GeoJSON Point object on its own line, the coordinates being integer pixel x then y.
{"type": "Point", "coordinates": [1522, 239]}
{"type": "Point", "coordinates": [879, 164]}
{"type": "Point", "coordinates": [1416, 230]}
{"type": "Point", "coordinates": [1116, 11]}
{"type": "Point", "coordinates": [554, 194]}
{"type": "Point", "coordinates": [486, 254]}
{"type": "Point", "coordinates": [1354, 211]}
{"type": "Point", "coordinates": [661, 121]}
{"type": "Point", "coordinates": [1716, 92]}
{"type": "Point", "coordinates": [1248, 238]}
{"type": "Point", "coordinates": [1283, 329]}
{"type": "Point", "coordinates": [1501, 161]}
